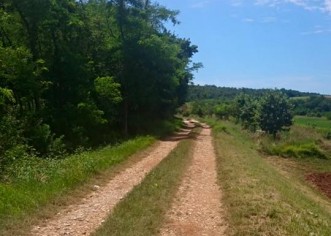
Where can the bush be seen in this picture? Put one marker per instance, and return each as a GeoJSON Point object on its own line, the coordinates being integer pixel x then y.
{"type": "Point", "coordinates": [309, 150]}
{"type": "Point", "coordinates": [12, 144]}
{"type": "Point", "coordinates": [57, 147]}
{"type": "Point", "coordinates": [328, 115]}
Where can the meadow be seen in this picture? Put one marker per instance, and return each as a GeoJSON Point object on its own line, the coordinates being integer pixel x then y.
{"type": "Point", "coordinates": [321, 123]}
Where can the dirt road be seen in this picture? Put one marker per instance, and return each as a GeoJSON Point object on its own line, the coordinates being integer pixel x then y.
{"type": "Point", "coordinates": [197, 209]}
{"type": "Point", "coordinates": [85, 217]}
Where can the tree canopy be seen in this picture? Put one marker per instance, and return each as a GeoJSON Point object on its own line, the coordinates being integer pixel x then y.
{"type": "Point", "coordinates": [87, 71]}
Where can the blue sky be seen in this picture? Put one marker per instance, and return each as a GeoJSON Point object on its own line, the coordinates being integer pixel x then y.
{"type": "Point", "coordinates": [259, 43]}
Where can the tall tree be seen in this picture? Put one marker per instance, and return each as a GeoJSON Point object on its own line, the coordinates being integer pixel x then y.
{"type": "Point", "coordinates": [274, 113]}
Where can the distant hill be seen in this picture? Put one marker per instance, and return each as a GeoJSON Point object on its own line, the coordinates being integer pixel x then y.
{"type": "Point", "coordinates": [202, 92]}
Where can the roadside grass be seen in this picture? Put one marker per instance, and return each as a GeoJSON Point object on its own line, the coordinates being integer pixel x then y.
{"type": "Point", "coordinates": [143, 211]}
{"type": "Point", "coordinates": [259, 198]}
{"type": "Point", "coordinates": [32, 184]}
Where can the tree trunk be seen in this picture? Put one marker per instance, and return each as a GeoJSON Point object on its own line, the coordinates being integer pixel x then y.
{"type": "Point", "coordinates": [126, 113]}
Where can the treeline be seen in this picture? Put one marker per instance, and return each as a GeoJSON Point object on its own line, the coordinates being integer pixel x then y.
{"type": "Point", "coordinates": [312, 106]}
{"type": "Point", "coordinates": [271, 112]}
{"type": "Point", "coordinates": [307, 104]}
{"type": "Point", "coordinates": [81, 73]}
{"type": "Point", "coordinates": [198, 92]}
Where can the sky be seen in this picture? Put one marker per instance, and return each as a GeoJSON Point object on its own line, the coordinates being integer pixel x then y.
{"type": "Point", "coordinates": [259, 43]}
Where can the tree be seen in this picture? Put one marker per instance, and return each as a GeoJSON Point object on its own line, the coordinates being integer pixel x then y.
{"type": "Point", "coordinates": [274, 112]}
{"type": "Point", "coordinates": [223, 111]}
{"type": "Point", "coordinates": [81, 70]}
{"type": "Point", "coordinates": [245, 111]}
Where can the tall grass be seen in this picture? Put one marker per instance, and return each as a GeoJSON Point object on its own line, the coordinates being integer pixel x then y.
{"type": "Point", "coordinates": [299, 142]}
{"type": "Point", "coordinates": [32, 183]}
{"type": "Point", "coordinates": [259, 199]}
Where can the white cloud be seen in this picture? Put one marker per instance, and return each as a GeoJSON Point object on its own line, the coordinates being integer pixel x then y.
{"type": "Point", "coordinates": [316, 5]}
{"type": "Point", "coordinates": [200, 4]}
{"type": "Point", "coordinates": [327, 6]}
{"type": "Point", "coordinates": [317, 31]}
{"type": "Point", "coordinates": [236, 3]}
{"type": "Point", "coordinates": [248, 20]}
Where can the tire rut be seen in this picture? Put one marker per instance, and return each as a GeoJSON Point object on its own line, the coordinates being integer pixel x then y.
{"type": "Point", "coordinates": [197, 208]}
{"type": "Point", "coordinates": [85, 217]}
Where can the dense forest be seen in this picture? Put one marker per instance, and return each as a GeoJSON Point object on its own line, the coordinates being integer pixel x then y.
{"type": "Point", "coordinates": [82, 73]}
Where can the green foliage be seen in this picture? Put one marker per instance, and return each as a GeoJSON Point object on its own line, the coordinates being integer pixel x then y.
{"type": "Point", "coordinates": [246, 111]}
{"type": "Point", "coordinates": [108, 89]}
{"type": "Point", "coordinates": [83, 73]}
{"type": "Point", "coordinates": [312, 106]}
{"type": "Point", "coordinates": [32, 182]}
{"type": "Point", "coordinates": [299, 142]}
{"type": "Point", "coordinates": [328, 115]}
{"type": "Point", "coordinates": [274, 113]}
{"type": "Point", "coordinates": [202, 92]}
{"type": "Point", "coordinates": [309, 150]}
{"type": "Point", "coordinates": [223, 111]}
{"type": "Point", "coordinates": [6, 95]}
{"type": "Point", "coordinates": [10, 140]}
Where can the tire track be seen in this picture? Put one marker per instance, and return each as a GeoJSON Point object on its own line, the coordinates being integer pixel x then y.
{"type": "Point", "coordinates": [197, 207]}
{"type": "Point", "coordinates": [85, 217]}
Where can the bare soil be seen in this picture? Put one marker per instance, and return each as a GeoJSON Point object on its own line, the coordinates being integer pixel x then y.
{"type": "Point", "coordinates": [322, 181]}
{"type": "Point", "coordinates": [88, 214]}
{"type": "Point", "coordinates": [197, 208]}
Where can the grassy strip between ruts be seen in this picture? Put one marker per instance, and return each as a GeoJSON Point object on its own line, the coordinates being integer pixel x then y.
{"type": "Point", "coordinates": [142, 212]}
{"type": "Point", "coordinates": [258, 198]}
{"type": "Point", "coordinates": [38, 182]}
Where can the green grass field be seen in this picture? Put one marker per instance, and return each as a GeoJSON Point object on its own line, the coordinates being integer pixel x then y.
{"type": "Point", "coordinates": [315, 122]}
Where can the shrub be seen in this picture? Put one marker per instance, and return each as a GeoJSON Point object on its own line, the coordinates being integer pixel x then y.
{"type": "Point", "coordinates": [309, 150]}
{"type": "Point", "coordinates": [328, 115]}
